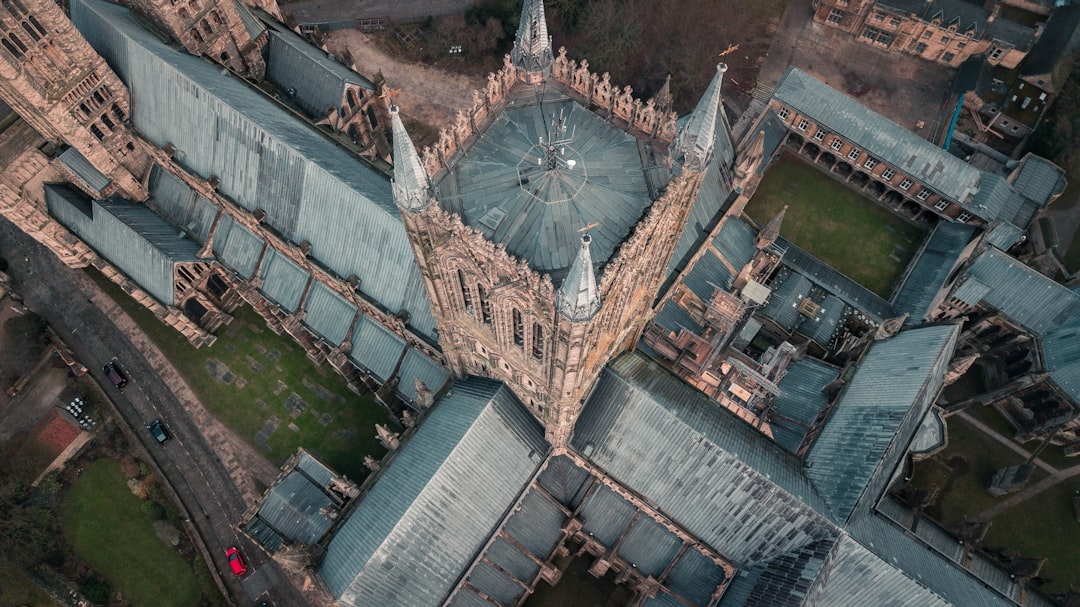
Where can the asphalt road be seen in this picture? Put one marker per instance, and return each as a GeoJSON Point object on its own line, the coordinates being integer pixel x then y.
{"type": "Point", "coordinates": [212, 500]}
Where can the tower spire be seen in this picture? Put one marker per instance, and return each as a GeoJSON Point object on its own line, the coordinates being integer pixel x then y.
{"type": "Point", "coordinates": [532, 47]}
{"type": "Point", "coordinates": [771, 231]}
{"type": "Point", "coordinates": [695, 142]}
{"type": "Point", "coordinates": [578, 298]}
{"type": "Point", "coordinates": [412, 188]}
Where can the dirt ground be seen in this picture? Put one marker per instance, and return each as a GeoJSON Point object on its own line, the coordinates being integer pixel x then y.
{"type": "Point", "coordinates": [901, 87]}
{"type": "Point", "coordinates": [429, 95]}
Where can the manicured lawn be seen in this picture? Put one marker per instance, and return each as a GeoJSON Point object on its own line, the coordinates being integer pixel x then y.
{"type": "Point", "coordinates": [1044, 526]}
{"type": "Point", "coordinates": [16, 588]}
{"type": "Point", "coordinates": [1052, 454]}
{"type": "Point", "coordinates": [105, 526]}
{"type": "Point", "coordinates": [248, 380]}
{"type": "Point", "coordinates": [843, 228]}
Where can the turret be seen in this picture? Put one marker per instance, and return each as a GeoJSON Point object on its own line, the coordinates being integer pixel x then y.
{"type": "Point", "coordinates": [412, 188]}
{"type": "Point", "coordinates": [694, 145]}
{"type": "Point", "coordinates": [578, 299]}
{"type": "Point", "coordinates": [532, 47]}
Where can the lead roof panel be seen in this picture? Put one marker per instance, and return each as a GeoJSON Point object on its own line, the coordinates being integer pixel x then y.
{"type": "Point", "coordinates": [930, 268]}
{"type": "Point", "coordinates": [801, 399]}
{"type": "Point", "coordinates": [412, 536]}
{"type": "Point", "coordinates": [877, 135]}
{"type": "Point", "coordinates": [418, 365]}
{"type": "Point", "coordinates": [832, 281]}
{"type": "Point", "coordinates": [328, 313]}
{"type": "Point", "coordinates": [698, 463]}
{"type": "Point", "coordinates": [876, 415]}
{"type": "Point", "coordinates": [695, 577]}
{"type": "Point", "coordinates": [649, 546]}
{"type": "Point", "coordinates": [237, 247]}
{"type": "Point", "coordinates": [178, 203]}
{"type": "Point", "coordinates": [283, 281]}
{"type": "Point", "coordinates": [78, 164]}
{"type": "Point", "coordinates": [537, 210]}
{"type": "Point", "coordinates": [376, 348]}
{"type": "Point", "coordinates": [783, 304]}
{"type": "Point", "coordinates": [296, 508]}
{"type": "Point", "coordinates": [1020, 292]}
{"type": "Point", "coordinates": [1038, 178]}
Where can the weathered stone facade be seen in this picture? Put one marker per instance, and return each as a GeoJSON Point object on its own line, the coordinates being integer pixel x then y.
{"type": "Point", "coordinates": [211, 29]}
{"type": "Point", "coordinates": [66, 92]}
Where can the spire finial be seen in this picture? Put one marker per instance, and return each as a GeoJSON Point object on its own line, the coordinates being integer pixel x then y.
{"type": "Point", "coordinates": [578, 299]}
{"type": "Point", "coordinates": [532, 47]}
{"type": "Point", "coordinates": [695, 142]}
{"type": "Point", "coordinates": [412, 188]}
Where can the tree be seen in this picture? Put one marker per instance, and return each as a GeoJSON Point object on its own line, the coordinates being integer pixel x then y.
{"type": "Point", "coordinates": [27, 528]}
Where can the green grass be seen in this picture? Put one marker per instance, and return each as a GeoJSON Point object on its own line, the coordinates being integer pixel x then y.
{"type": "Point", "coordinates": [105, 526]}
{"type": "Point", "coordinates": [16, 588]}
{"type": "Point", "coordinates": [843, 228]}
{"type": "Point", "coordinates": [1052, 455]}
{"type": "Point", "coordinates": [342, 444]}
{"type": "Point", "coordinates": [1046, 528]}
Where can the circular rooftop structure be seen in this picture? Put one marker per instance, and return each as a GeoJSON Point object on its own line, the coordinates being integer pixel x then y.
{"type": "Point", "coordinates": [542, 173]}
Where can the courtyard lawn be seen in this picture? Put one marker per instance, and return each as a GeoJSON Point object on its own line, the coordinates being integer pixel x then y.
{"type": "Point", "coordinates": [106, 527]}
{"type": "Point", "coordinates": [263, 387]}
{"type": "Point", "coordinates": [834, 222]}
{"type": "Point", "coordinates": [1044, 526]}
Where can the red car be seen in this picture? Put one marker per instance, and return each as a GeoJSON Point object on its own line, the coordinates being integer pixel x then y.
{"type": "Point", "coordinates": [235, 561]}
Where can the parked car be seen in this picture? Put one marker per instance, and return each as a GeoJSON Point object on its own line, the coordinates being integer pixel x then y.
{"type": "Point", "coordinates": [236, 562]}
{"type": "Point", "coordinates": [157, 429]}
{"type": "Point", "coordinates": [115, 375]}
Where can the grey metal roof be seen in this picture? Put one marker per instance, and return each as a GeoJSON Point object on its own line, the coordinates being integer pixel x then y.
{"type": "Point", "coordinates": [537, 526]}
{"type": "Point", "coordinates": [855, 577]}
{"type": "Point", "coordinates": [495, 584]}
{"type": "Point", "coordinates": [565, 480]}
{"type": "Point", "coordinates": [236, 247]}
{"type": "Point", "coordinates": [712, 198]}
{"type": "Point", "coordinates": [283, 281]}
{"type": "Point", "coordinates": [997, 198]}
{"type": "Point", "coordinates": [130, 236]}
{"type": "Point", "coordinates": [78, 164]}
{"type": "Point", "coordinates": [877, 414]}
{"type": "Point", "coordinates": [412, 535]}
{"type": "Point", "coordinates": [877, 135]}
{"type": "Point", "coordinates": [832, 281]}
{"type": "Point", "coordinates": [606, 515]}
{"type": "Point", "coordinates": [310, 189]}
{"type": "Point", "coordinates": [783, 304]}
{"type": "Point", "coordinates": [417, 365]}
{"type": "Point", "coordinates": [254, 27]}
{"type": "Point", "coordinates": [970, 290]}
{"type": "Point", "coordinates": [800, 400]}
{"type": "Point", "coordinates": [785, 580]}
{"type": "Point", "coordinates": [180, 204]}
{"type": "Point", "coordinates": [775, 132]}
{"type": "Point", "coordinates": [1003, 235]}
{"type": "Point", "coordinates": [930, 267]}
{"type": "Point", "coordinates": [328, 313]}
{"type": "Point", "coordinates": [318, 80]}
{"type": "Point", "coordinates": [699, 464]}
{"type": "Point", "coordinates": [736, 241]}
{"type": "Point", "coordinates": [1039, 179]}
{"type": "Point", "coordinates": [1061, 350]}
{"type": "Point", "coordinates": [649, 547]}
{"type": "Point", "coordinates": [1023, 294]}
{"type": "Point", "coordinates": [536, 211]}
{"type": "Point", "coordinates": [823, 326]}
{"type": "Point", "coordinates": [376, 348]}
{"type": "Point", "coordinates": [708, 274]}
{"type": "Point", "coordinates": [695, 577]}
{"type": "Point", "coordinates": [673, 318]}
{"type": "Point", "coordinates": [295, 509]}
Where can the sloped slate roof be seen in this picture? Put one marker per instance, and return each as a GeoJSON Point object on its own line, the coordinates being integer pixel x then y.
{"type": "Point", "coordinates": [832, 281]}
{"type": "Point", "coordinates": [295, 508]}
{"type": "Point", "coordinates": [800, 401]}
{"type": "Point", "coordinates": [130, 236]}
{"type": "Point", "coordinates": [877, 135]}
{"type": "Point", "coordinates": [537, 210]}
{"type": "Point", "coordinates": [877, 414]}
{"type": "Point", "coordinates": [413, 534]}
{"type": "Point", "coordinates": [782, 581]}
{"type": "Point", "coordinates": [672, 445]}
{"type": "Point", "coordinates": [415, 366]}
{"type": "Point", "coordinates": [283, 281]}
{"type": "Point", "coordinates": [1038, 178]}
{"type": "Point", "coordinates": [930, 268]}
{"type": "Point", "coordinates": [823, 326]}
{"type": "Point", "coordinates": [997, 198]}
{"type": "Point", "coordinates": [855, 576]}
{"type": "Point", "coordinates": [1061, 349]}
{"type": "Point", "coordinates": [237, 248]}
{"type": "Point", "coordinates": [783, 304]}
{"type": "Point", "coordinates": [264, 157]}
{"type": "Point", "coordinates": [376, 348]}
{"type": "Point", "coordinates": [328, 313]}
{"type": "Point", "coordinates": [180, 204]}
{"type": "Point", "coordinates": [1023, 294]}
{"type": "Point", "coordinates": [317, 79]}
{"type": "Point", "coordinates": [78, 164]}
{"type": "Point", "coordinates": [736, 242]}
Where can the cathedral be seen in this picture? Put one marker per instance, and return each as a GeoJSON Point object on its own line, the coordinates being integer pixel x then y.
{"type": "Point", "coordinates": [597, 356]}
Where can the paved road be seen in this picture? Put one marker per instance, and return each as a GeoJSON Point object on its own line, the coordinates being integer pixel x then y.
{"type": "Point", "coordinates": [401, 11]}
{"type": "Point", "coordinates": [191, 464]}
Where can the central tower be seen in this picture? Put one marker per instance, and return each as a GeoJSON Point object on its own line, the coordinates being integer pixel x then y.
{"type": "Point", "coordinates": [545, 219]}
